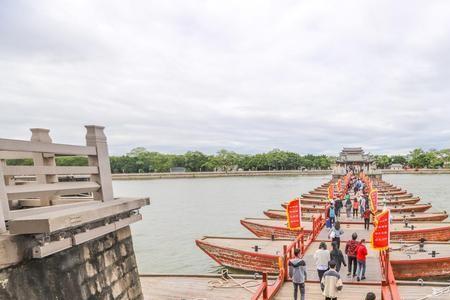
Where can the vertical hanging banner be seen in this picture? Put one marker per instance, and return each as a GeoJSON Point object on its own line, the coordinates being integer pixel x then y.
{"type": "Point", "coordinates": [373, 197]}
{"type": "Point", "coordinates": [380, 235]}
{"type": "Point", "coordinates": [294, 214]}
{"type": "Point", "coordinates": [331, 191]}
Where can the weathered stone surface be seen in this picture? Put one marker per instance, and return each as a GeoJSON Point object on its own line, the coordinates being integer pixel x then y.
{"type": "Point", "coordinates": [104, 268]}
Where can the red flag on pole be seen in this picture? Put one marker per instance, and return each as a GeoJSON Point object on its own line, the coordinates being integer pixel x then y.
{"type": "Point", "coordinates": [380, 235]}
{"type": "Point", "coordinates": [294, 214]}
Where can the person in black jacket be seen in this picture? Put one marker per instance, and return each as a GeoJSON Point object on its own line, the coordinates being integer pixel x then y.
{"type": "Point", "coordinates": [337, 256]}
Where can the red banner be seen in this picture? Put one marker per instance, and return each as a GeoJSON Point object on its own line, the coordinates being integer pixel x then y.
{"type": "Point", "coordinates": [331, 191]}
{"type": "Point", "coordinates": [380, 234]}
{"type": "Point", "coordinates": [373, 197]}
{"type": "Point", "coordinates": [294, 214]}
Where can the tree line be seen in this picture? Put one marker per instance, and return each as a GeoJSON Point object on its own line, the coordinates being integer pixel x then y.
{"type": "Point", "coordinates": [417, 158]}
{"type": "Point", "coordinates": [140, 160]}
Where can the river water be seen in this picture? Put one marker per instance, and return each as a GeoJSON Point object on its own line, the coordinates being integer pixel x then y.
{"type": "Point", "coordinates": [183, 210]}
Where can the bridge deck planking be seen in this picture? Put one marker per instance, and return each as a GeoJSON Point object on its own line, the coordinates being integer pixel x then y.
{"type": "Point", "coordinates": [191, 287]}
{"type": "Point", "coordinates": [373, 270]}
{"type": "Point", "coordinates": [313, 292]}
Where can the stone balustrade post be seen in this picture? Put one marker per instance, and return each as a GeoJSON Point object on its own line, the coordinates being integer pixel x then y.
{"type": "Point", "coordinates": [44, 159]}
{"type": "Point", "coordinates": [95, 137]}
{"type": "Point", "coordinates": [4, 205]}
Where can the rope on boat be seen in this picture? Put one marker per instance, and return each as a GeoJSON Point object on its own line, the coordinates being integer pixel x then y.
{"type": "Point", "coordinates": [227, 281]}
{"type": "Point", "coordinates": [436, 293]}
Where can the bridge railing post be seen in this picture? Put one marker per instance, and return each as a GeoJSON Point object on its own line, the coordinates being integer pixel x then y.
{"type": "Point", "coordinates": [43, 159]}
{"type": "Point", "coordinates": [95, 137]}
{"type": "Point", "coordinates": [4, 204]}
{"type": "Point", "coordinates": [264, 278]}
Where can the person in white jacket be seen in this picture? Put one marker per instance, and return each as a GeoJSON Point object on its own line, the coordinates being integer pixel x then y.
{"type": "Point", "coordinates": [331, 283]}
{"type": "Point", "coordinates": [322, 257]}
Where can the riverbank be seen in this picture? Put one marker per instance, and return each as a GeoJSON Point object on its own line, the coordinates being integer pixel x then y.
{"type": "Point", "coordinates": [146, 176]}
{"type": "Point", "coordinates": [137, 176]}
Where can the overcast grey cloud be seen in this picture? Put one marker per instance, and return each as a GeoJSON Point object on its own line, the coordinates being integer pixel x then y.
{"type": "Point", "coordinates": [249, 76]}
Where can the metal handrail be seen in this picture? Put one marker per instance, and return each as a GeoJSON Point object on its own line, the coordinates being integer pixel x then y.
{"type": "Point", "coordinates": [268, 292]}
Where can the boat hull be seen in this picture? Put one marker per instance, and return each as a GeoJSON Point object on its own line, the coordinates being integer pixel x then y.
{"type": "Point", "coordinates": [423, 268]}
{"type": "Point", "coordinates": [429, 234]}
{"type": "Point", "coordinates": [242, 260]}
{"type": "Point", "coordinates": [268, 231]}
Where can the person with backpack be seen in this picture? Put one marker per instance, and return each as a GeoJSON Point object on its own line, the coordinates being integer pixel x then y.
{"type": "Point", "coordinates": [335, 233]}
{"type": "Point", "coordinates": [322, 257]}
{"type": "Point", "coordinates": [331, 282]}
{"type": "Point", "coordinates": [297, 272]}
{"type": "Point", "coordinates": [350, 251]}
{"type": "Point", "coordinates": [332, 214]}
{"type": "Point", "coordinates": [337, 256]}
{"type": "Point", "coordinates": [361, 254]}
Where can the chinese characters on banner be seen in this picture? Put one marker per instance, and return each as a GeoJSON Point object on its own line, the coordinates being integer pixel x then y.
{"type": "Point", "coordinates": [294, 214]}
{"type": "Point", "coordinates": [373, 197]}
{"type": "Point", "coordinates": [380, 234]}
{"type": "Point", "coordinates": [331, 191]}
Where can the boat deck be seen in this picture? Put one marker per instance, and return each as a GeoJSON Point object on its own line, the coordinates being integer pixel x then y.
{"type": "Point", "coordinates": [176, 287]}
{"type": "Point", "coordinates": [410, 251]}
{"type": "Point", "coordinates": [266, 246]}
{"type": "Point", "coordinates": [307, 225]}
{"type": "Point", "coordinates": [313, 292]}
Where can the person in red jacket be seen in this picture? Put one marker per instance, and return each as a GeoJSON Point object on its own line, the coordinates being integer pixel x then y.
{"type": "Point", "coordinates": [361, 254]}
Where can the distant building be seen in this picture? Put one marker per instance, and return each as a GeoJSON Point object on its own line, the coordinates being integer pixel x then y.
{"type": "Point", "coordinates": [396, 167]}
{"type": "Point", "coordinates": [177, 170]}
{"type": "Point", "coordinates": [354, 158]}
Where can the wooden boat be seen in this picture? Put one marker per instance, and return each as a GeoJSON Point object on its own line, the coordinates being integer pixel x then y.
{"type": "Point", "coordinates": [249, 254]}
{"type": "Point", "coordinates": [410, 262]}
{"type": "Point", "coordinates": [397, 217]}
{"type": "Point", "coordinates": [413, 232]}
{"type": "Point", "coordinates": [437, 231]}
{"type": "Point", "coordinates": [394, 209]}
{"type": "Point", "coordinates": [267, 228]}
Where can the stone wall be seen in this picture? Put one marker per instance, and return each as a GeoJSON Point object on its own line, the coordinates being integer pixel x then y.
{"type": "Point", "coordinates": [104, 268]}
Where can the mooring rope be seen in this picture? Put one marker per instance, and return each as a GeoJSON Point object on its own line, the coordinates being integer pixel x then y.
{"type": "Point", "coordinates": [437, 292]}
{"type": "Point", "coordinates": [224, 282]}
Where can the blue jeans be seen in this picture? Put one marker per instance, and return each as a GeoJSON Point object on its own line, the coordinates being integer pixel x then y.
{"type": "Point", "coordinates": [361, 271]}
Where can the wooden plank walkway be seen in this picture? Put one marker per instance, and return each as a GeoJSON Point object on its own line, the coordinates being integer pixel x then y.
{"type": "Point", "coordinates": [313, 292]}
{"type": "Point", "coordinates": [194, 287]}
{"type": "Point", "coordinates": [373, 269]}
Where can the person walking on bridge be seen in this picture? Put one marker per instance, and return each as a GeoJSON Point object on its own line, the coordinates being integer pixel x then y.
{"type": "Point", "coordinates": [322, 257]}
{"type": "Point", "coordinates": [361, 254]}
{"type": "Point", "coordinates": [331, 283]}
{"type": "Point", "coordinates": [297, 272]}
{"type": "Point", "coordinates": [337, 256]}
{"type": "Point", "coordinates": [350, 250]}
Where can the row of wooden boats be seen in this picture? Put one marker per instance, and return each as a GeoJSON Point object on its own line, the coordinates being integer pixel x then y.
{"type": "Point", "coordinates": [418, 237]}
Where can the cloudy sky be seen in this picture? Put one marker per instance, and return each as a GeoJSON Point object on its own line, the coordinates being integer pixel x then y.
{"type": "Point", "coordinates": [249, 76]}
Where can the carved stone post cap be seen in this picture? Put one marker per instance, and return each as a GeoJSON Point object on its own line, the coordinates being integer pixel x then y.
{"type": "Point", "coordinates": [41, 135]}
{"type": "Point", "coordinates": [95, 132]}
